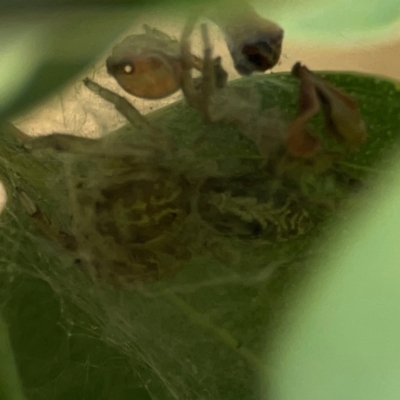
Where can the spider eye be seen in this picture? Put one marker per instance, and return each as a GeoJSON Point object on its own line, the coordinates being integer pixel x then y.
{"type": "Point", "coordinates": [115, 66]}
{"type": "Point", "coordinates": [128, 68]}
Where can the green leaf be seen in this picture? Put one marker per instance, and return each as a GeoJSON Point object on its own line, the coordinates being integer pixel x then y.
{"type": "Point", "coordinates": [198, 335]}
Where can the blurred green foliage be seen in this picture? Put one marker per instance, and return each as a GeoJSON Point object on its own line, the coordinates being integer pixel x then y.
{"type": "Point", "coordinates": [344, 22]}
{"type": "Point", "coordinates": [340, 339]}
{"type": "Point", "coordinates": [344, 343]}
{"type": "Point", "coordinates": [10, 386]}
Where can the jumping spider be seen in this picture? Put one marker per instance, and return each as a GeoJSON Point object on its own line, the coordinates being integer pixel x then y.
{"type": "Point", "coordinates": [138, 207]}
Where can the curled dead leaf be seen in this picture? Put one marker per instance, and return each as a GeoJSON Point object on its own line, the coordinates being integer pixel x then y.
{"type": "Point", "coordinates": [340, 111]}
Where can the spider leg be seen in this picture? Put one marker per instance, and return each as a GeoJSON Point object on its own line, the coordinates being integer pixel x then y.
{"type": "Point", "coordinates": [197, 97]}
{"type": "Point", "coordinates": [42, 222]}
{"type": "Point", "coordinates": [121, 104]}
{"type": "Point", "coordinates": [150, 135]}
{"type": "Point", "coordinates": [189, 62]}
{"type": "Point", "coordinates": [148, 144]}
{"type": "Point", "coordinates": [208, 73]}
{"type": "Point", "coordinates": [221, 76]}
{"type": "Point", "coordinates": [198, 92]}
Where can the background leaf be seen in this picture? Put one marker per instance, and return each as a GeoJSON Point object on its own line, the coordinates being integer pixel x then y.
{"type": "Point", "coordinates": [343, 22]}
{"type": "Point", "coordinates": [59, 40]}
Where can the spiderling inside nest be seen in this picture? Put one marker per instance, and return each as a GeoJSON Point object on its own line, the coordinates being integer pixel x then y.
{"type": "Point", "coordinates": [144, 203]}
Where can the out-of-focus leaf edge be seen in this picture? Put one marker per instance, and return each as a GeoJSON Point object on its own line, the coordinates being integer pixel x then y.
{"type": "Point", "coordinates": [10, 386]}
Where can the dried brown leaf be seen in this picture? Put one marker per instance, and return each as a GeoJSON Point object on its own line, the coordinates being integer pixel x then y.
{"type": "Point", "coordinates": [341, 114]}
